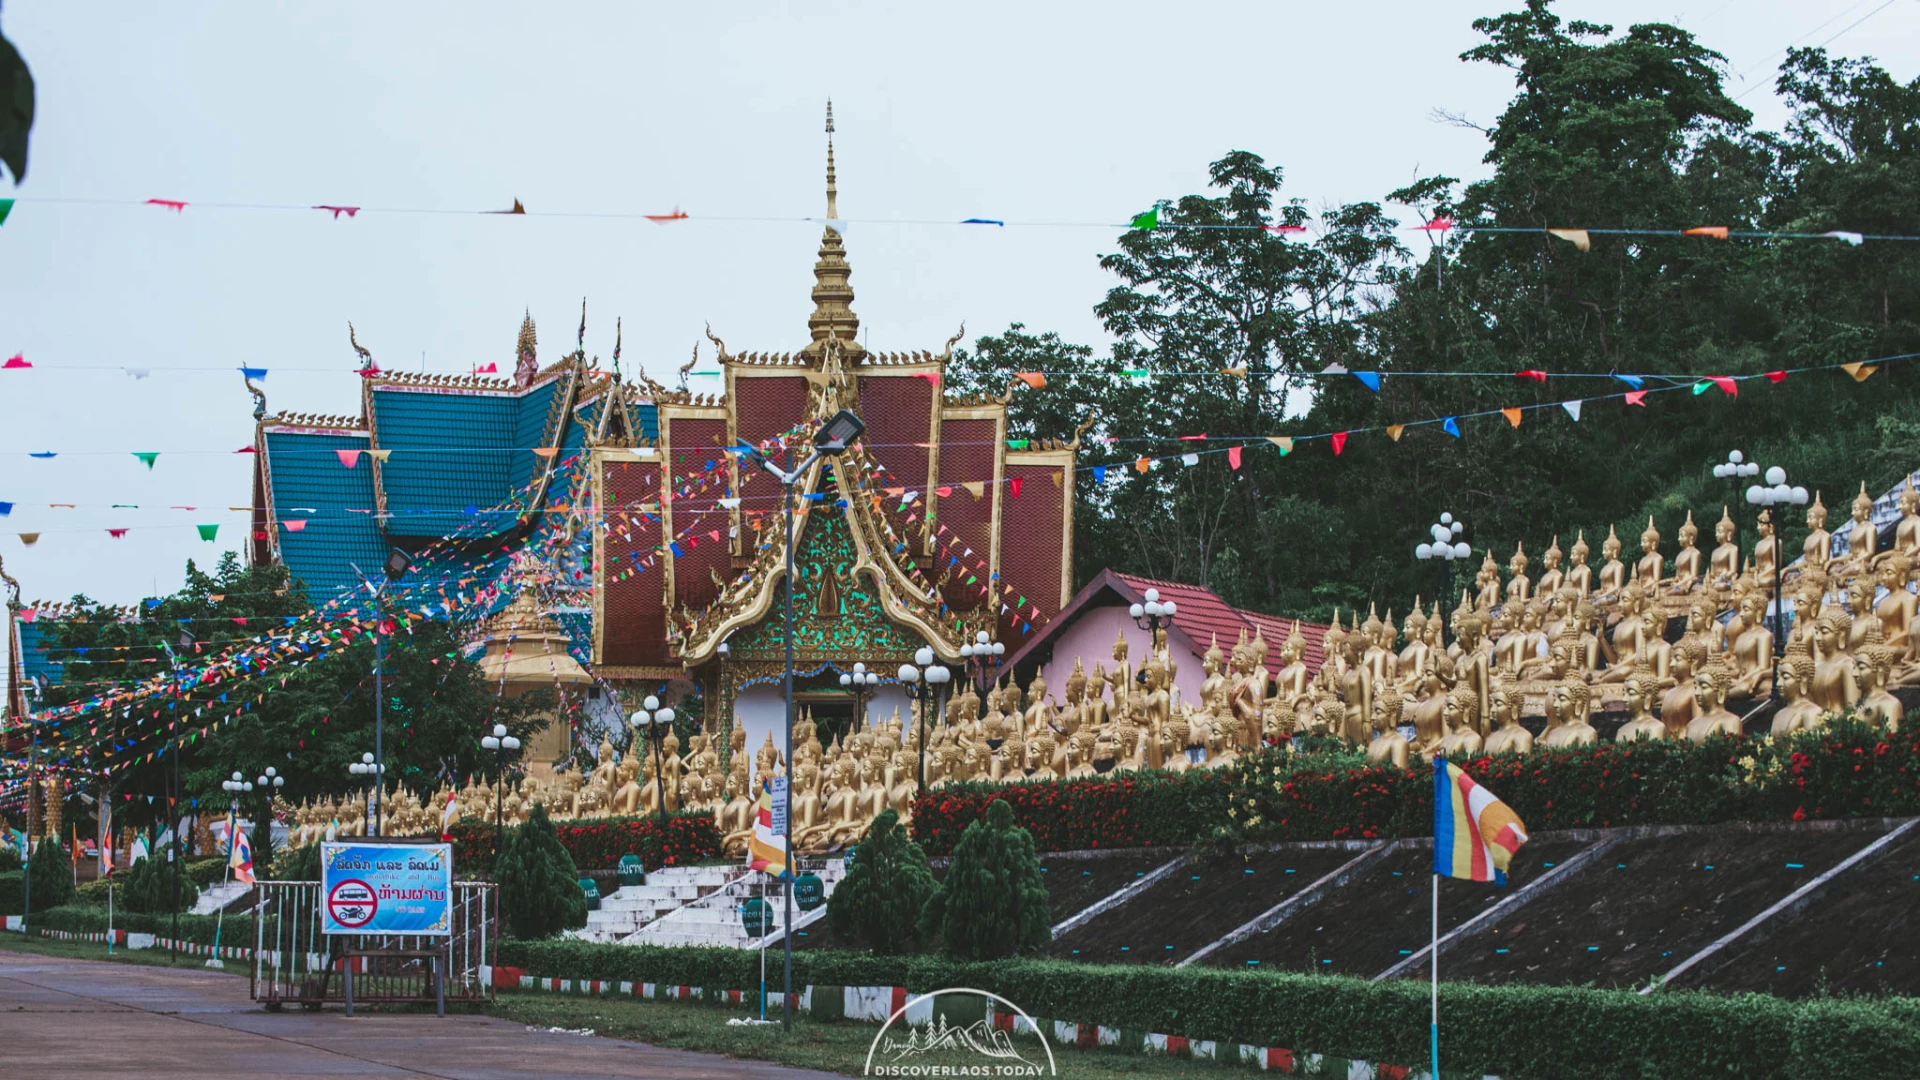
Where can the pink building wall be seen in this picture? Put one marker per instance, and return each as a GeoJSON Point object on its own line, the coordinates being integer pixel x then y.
{"type": "Point", "coordinates": [1091, 638]}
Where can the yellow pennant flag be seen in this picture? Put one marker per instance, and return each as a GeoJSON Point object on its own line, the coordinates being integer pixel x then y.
{"type": "Point", "coordinates": [1284, 442]}
{"type": "Point", "coordinates": [29, 539]}
{"type": "Point", "coordinates": [976, 488]}
{"type": "Point", "coordinates": [380, 456]}
{"type": "Point", "coordinates": [1237, 372]}
{"type": "Point", "coordinates": [1859, 370]}
{"type": "Point", "coordinates": [1056, 478]}
{"type": "Point", "coordinates": [1394, 431]}
{"type": "Point", "coordinates": [1512, 415]}
{"type": "Point", "coordinates": [1577, 237]}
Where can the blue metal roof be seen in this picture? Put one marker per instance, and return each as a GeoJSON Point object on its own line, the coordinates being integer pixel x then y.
{"type": "Point", "coordinates": [307, 474]}
{"type": "Point", "coordinates": [453, 452]}
{"type": "Point", "coordinates": [33, 652]}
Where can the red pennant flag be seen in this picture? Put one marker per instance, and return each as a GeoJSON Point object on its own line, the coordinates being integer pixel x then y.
{"type": "Point", "coordinates": [295, 525]}
{"type": "Point", "coordinates": [1531, 373]}
{"type": "Point", "coordinates": [1202, 437]}
{"type": "Point", "coordinates": [943, 490]}
{"type": "Point", "coordinates": [1034, 379]}
{"type": "Point", "coordinates": [1637, 397]}
{"type": "Point", "coordinates": [1233, 456]}
{"type": "Point", "coordinates": [16, 361]}
{"type": "Point", "coordinates": [174, 205]}
{"type": "Point", "coordinates": [246, 450]}
{"type": "Point", "coordinates": [116, 533]}
{"type": "Point", "coordinates": [1726, 384]}
{"type": "Point", "coordinates": [1776, 376]}
{"type": "Point", "coordinates": [349, 458]}
{"type": "Point", "coordinates": [1013, 487]}
{"type": "Point", "coordinates": [489, 369]}
{"type": "Point", "coordinates": [1339, 442]}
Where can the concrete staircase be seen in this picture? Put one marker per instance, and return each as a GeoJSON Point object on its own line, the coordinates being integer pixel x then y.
{"type": "Point", "coordinates": [715, 919]}
{"type": "Point", "coordinates": [218, 896]}
{"type": "Point", "coordinates": [625, 910]}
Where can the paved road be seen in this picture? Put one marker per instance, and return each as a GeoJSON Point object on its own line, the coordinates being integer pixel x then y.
{"type": "Point", "coordinates": [61, 1018]}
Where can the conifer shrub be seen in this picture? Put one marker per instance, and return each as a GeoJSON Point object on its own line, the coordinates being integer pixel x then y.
{"type": "Point", "coordinates": [879, 902]}
{"type": "Point", "coordinates": [147, 887]}
{"type": "Point", "coordinates": [993, 903]}
{"type": "Point", "coordinates": [539, 886]}
{"type": "Point", "coordinates": [51, 871]}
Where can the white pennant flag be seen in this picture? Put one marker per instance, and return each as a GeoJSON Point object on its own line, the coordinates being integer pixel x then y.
{"type": "Point", "coordinates": [1190, 459]}
{"type": "Point", "coordinates": [1573, 409]}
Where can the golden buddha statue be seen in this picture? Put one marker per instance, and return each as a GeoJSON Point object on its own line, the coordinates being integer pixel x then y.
{"type": "Point", "coordinates": [1678, 704]}
{"type": "Point", "coordinates": [905, 786]}
{"type": "Point", "coordinates": [1858, 599]}
{"type": "Point", "coordinates": [1896, 613]}
{"type": "Point", "coordinates": [1246, 697]}
{"type": "Point", "coordinates": [1355, 687]}
{"type": "Point", "coordinates": [1751, 652]}
{"type": "Point", "coordinates": [1290, 685]}
{"type": "Point", "coordinates": [1711, 716]}
{"type": "Point", "coordinates": [1214, 688]}
{"type": "Point", "coordinates": [1519, 586]}
{"type": "Point", "coordinates": [1641, 725]}
{"type": "Point", "coordinates": [1873, 667]}
{"type": "Point", "coordinates": [1097, 714]}
{"type": "Point", "coordinates": [1579, 574]}
{"type": "Point", "coordinates": [1038, 716]}
{"type": "Point", "coordinates": [1688, 567]}
{"type": "Point", "coordinates": [1473, 668]}
{"type": "Point", "coordinates": [1766, 553]}
{"type": "Point", "coordinates": [1862, 539]}
{"type": "Point", "coordinates": [1571, 699]}
{"type": "Point", "coordinates": [1649, 570]}
{"type": "Point", "coordinates": [1387, 746]}
{"type": "Point", "coordinates": [1381, 662]}
{"type": "Point", "coordinates": [1074, 714]}
{"type": "Point", "coordinates": [1462, 720]}
{"type": "Point", "coordinates": [1156, 705]}
{"type": "Point", "coordinates": [1508, 736]}
{"type": "Point", "coordinates": [1552, 578]}
{"type": "Point", "coordinates": [1797, 711]}
{"type": "Point", "coordinates": [1818, 547]}
{"type": "Point", "coordinates": [1629, 638]}
{"type": "Point", "coordinates": [1723, 567]}
{"type": "Point", "coordinates": [1613, 572]}
{"type": "Point", "coordinates": [626, 797]}
{"type": "Point", "coordinates": [1906, 532]}
{"type": "Point", "coordinates": [1079, 755]}
{"type": "Point", "coordinates": [1835, 685]}
{"type": "Point", "coordinates": [1413, 657]}
{"type": "Point", "coordinates": [1487, 584]}
{"type": "Point", "coordinates": [1429, 724]}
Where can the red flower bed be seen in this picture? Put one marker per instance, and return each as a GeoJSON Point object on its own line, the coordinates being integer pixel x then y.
{"type": "Point", "coordinates": [1131, 810]}
{"type": "Point", "coordinates": [598, 844]}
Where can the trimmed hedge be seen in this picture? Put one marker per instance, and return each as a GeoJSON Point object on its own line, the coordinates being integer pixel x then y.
{"type": "Point", "coordinates": [685, 839]}
{"type": "Point", "coordinates": [1536, 1032]}
{"type": "Point", "coordinates": [1849, 769]}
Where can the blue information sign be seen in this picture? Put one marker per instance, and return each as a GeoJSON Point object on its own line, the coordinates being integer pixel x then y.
{"type": "Point", "coordinates": [386, 888]}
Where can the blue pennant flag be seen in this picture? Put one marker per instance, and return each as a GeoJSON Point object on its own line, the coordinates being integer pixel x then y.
{"type": "Point", "coordinates": [1631, 380]}
{"type": "Point", "coordinates": [258, 374]}
{"type": "Point", "coordinates": [1099, 474]}
{"type": "Point", "coordinates": [1450, 427]}
{"type": "Point", "coordinates": [1371, 378]}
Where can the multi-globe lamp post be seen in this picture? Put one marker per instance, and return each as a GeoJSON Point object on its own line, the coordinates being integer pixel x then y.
{"type": "Point", "coordinates": [1446, 546]}
{"type": "Point", "coordinates": [861, 683]}
{"type": "Point", "coordinates": [1149, 616]}
{"type": "Point", "coordinates": [1736, 468]}
{"type": "Point", "coordinates": [502, 745]}
{"type": "Point", "coordinates": [656, 720]}
{"type": "Point", "coordinates": [926, 685]}
{"type": "Point", "coordinates": [982, 658]}
{"type": "Point", "coordinates": [375, 773]}
{"type": "Point", "coordinates": [1776, 492]}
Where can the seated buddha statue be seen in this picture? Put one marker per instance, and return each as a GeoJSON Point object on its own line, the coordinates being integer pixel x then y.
{"type": "Point", "coordinates": [1040, 751]}
{"type": "Point", "coordinates": [1723, 567]}
{"type": "Point", "coordinates": [1508, 736]}
{"type": "Point", "coordinates": [1766, 553]}
{"type": "Point", "coordinates": [1751, 652]}
{"type": "Point", "coordinates": [1906, 532]}
{"type": "Point", "coordinates": [1571, 699]}
{"type": "Point", "coordinates": [1688, 564]}
{"type": "Point", "coordinates": [1387, 746]}
{"type": "Point", "coordinates": [1642, 725]}
{"type": "Point", "coordinates": [1487, 590]}
{"type": "Point", "coordinates": [1427, 714]}
{"type": "Point", "coordinates": [809, 829]}
{"type": "Point", "coordinates": [1552, 578]}
{"type": "Point", "coordinates": [1896, 612]}
{"type": "Point", "coordinates": [1080, 747]}
{"type": "Point", "coordinates": [1679, 704]}
{"type": "Point", "coordinates": [1519, 587]}
{"type": "Point", "coordinates": [1872, 665]}
{"type": "Point", "coordinates": [1039, 713]}
{"type": "Point", "coordinates": [1630, 636]}
{"type": "Point", "coordinates": [1862, 539]}
{"type": "Point", "coordinates": [905, 787]}
{"type": "Point", "coordinates": [1859, 603]}
{"type": "Point", "coordinates": [1579, 574]}
{"type": "Point", "coordinates": [1613, 572]}
{"type": "Point", "coordinates": [1818, 547]}
{"type": "Point", "coordinates": [1710, 715]}
{"type": "Point", "coordinates": [858, 801]}
{"type": "Point", "coordinates": [1462, 720]}
{"type": "Point", "coordinates": [1797, 711]}
{"type": "Point", "coordinates": [1649, 570]}
{"type": "Point", "coordinates": [1835, 685]}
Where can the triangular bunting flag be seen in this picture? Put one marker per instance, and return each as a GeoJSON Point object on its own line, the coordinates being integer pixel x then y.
{"type": "Point", "coordinates": [207, 531]}
{"type": "Point", "coordinates": [1573, 409]}
{"type": "Point", "coordinates": [1284, 442]}
{"type": "Point", "coordinates": [29, 539]}
{"type": "Point", "coordinates": [1189, 459]}
{"type": "Point", "coordinates": [1711, 232]}
{"type": "Point", "coordinates": [349, 458]}
{"type": "Point", "coordinates": [1339, 439]}
{"type": "Point", "coordinates": [1634, 381]}
{"type": "Point", "coordinates": [295, 524]}
{"type": "Point", "coordinates": [1143, 465]}
{"type": "Point", "coordinates": [147, 458]}
{"type": "Point", "coordinates": [1148, 220]}
{"type": "Point", "coordinates": [1512, 415]}
{"type": "Point", "coordinates": [1099, 474]}
{"type": "Point", "coordinates": [1371, 378]}
{"type": "Point", "coordinates": [1726, 384]}
{"type": "Point", "coordinates": [1394, 431]}
{"type": "Point", "coordinates": [380, 456]}
{"type": "Point", "coordinates": [1859, 370]}
{"type": "Point", "coordinates": [1776, 376]}
{"type": "Point", "coordinates": [1233, 456]}
{"type": "Point", "coordinates": [1014, 485]}
{"type": "Point", "coordinates": [1577, 237]}
{"type": "Point", "coordinates": [1451, 426]}
{"type": "Point", "coordinates": [1034, 379]}
{"type": "Point", "coordinates": [1637, 397]}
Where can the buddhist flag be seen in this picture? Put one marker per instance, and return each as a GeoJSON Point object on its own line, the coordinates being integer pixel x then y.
{"type": "Point", "coordinates": [1474, 834]}
{"type": "Point", "coordinates": [448, 816]}
{"type": "Point", "coordinates": [1577, 237]}
{"type": "Point", "coordinates": [240, 859]}
{"type": "Point", "coordinates": [767, 847]}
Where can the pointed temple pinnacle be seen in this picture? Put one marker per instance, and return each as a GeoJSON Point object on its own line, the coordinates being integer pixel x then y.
{"type": "Point", "coordinates": [832, 293]}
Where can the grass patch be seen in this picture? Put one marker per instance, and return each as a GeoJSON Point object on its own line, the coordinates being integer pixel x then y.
{"type": "Point", "coordinates": [829, 1046]}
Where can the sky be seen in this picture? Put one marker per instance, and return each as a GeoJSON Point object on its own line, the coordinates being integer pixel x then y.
{"type": "Point", "coordinates": [1068, 115]}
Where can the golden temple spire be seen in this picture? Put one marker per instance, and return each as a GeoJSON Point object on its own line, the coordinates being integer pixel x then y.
{"type": "Point", "coordinates": [832, 294]}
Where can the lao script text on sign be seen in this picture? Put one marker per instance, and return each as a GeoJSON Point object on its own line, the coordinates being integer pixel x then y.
{"type": "Point", "coordinates": [386, 888]}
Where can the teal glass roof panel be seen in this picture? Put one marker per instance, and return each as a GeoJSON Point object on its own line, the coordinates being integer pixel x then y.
{"type": "Point", "coordinates": [341, 528]}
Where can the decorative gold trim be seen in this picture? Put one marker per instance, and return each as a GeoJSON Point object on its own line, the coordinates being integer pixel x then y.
{"type": "Point", "coordinates": [1068, 473]}
{"type": "Point", "coordinates": [597, 460]}
{"type": "Point", "coordinates": [638, 671]}
{"type": "Point", "coordinates": [1040, 457]}
{"type": "Point", "coordinates": [999, 508]}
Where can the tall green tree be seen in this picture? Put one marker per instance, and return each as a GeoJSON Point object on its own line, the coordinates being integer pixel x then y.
{"type": "Point", "coordinates": [879, 902]}
{"type": "Point", "coordinates": [540, 893]}
{"type": "Point", "coordinates": [993, 901]}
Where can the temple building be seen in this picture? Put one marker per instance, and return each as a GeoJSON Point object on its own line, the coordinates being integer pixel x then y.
{"type": "Point", "coordinates": [654, 548]}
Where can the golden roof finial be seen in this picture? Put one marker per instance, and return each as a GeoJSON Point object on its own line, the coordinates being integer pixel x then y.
{"type": "Point", "coordinates": [832, 293]}
{"type": "Point", "coordinates": [833, 192]}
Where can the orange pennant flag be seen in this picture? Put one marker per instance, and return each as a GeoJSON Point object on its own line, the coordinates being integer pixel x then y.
{"type": "Point", "coordinates": [1143, 465]}
{"type": "Point", "coordinates": [1034, 379]}
{"type": "Point", "coordinates": [546, 451]}
{"type": "Point", "coordinates": [1394, 431]}
{"type": "Point", "coordinates": [1712, 232]}
{"type": "Point", "coordinates": [1859, 370]}
{"type": "Point", "coordinates": [1512, 415]}
{"type": "Point", "coordinates": [1237, 372]}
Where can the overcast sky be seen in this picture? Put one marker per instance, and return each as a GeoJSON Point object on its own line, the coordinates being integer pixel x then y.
{"type": "Point", "coordinates": [1074, 113]}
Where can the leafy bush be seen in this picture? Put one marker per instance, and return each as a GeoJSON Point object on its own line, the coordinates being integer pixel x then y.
{"type": "Point", "coordinates": [9, 856]}
{"type": "Point", "coordinates": [195, 928]}
{"type": "Point", "coordinates": [880, 900]}
{"type": "Point", "coordinates": [51, 871]}
{"type": "Point", "coordinates": [299, 864]}
{"type": "Point", "coordinates": [993, 902]}
{"type": "Point", "coordinates": [1143, 809]}
{"type": "Point", "coordinates": [539, 888]}
{"type": "Point", "coordinates": [1541, 1031]}
{"type": "Point", "coordinates": [148, 886]}
{"type": "Point", "coordinates": [685, 839]}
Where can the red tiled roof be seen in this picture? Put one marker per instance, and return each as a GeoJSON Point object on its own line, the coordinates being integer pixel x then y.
{"type": "Point", "coordinates": [1201, 617]}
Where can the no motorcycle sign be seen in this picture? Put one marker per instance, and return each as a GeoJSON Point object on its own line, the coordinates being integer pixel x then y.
{"type": "Point", "coordinates": [386, 888]}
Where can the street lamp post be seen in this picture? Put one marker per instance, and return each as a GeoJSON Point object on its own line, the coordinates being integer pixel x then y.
{"type": "Point", "coordinates": [651, 716]}
{"type": "Point", "coordinates": [833, 438]}
{"type": "Point", "coordinates": [1149, 617]}
{"type": "Point", "coordinates": [982, 658]}
{"type": "Point", "coordinates": [397, 565]}
{"type": "Point", "coordinates": [926, 684]}
{"type": "Point", "coordinates": [501, 744]}
{"type": "Point", "coordinates": [862, 683]}
{"type": "Point", "coordinates": [1777, 492]}
{"type": "Point", "coordinates": [268, 782]}
{"type": "Point", "coordinates": [375, 772]}
{"type": "Point", "coordinates": [1736, 468]}
{"type": "Point", "coordinates": [1447, 547]}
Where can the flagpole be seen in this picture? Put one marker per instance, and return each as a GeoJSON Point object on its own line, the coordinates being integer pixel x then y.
{"type": "Point", "coordinates": [1433, 1029]}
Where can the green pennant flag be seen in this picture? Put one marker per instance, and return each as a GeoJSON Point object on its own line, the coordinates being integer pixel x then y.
{"type": "Point", "coordinates": [6, 207]}
{"type": "Point", "coordinates": [148, 458]}
{"type": "Point", "coordinates": [1016, 444]}
{"type": "Point", "coordinates": [1148, 220]}
{"type": "Point", "coordinates": [1700, 387]}
{"type": "Point", "coordinates": [207, 532]}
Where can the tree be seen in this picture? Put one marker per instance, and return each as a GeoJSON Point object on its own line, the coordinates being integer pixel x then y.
{"type": "Point", "coordinates": [993, 902]}
{"type": "Point", "coordinates": [51, 874]}
{"type": "Point", "coordinates": [147, 886]}
{"type": "Point", "coordinates": [880, 900]}
{"type": "Point", "coordinates": [539, 885]}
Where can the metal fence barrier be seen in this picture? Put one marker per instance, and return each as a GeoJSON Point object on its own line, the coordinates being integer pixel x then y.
{"type": "Point", "coordinates": [294, 962]}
